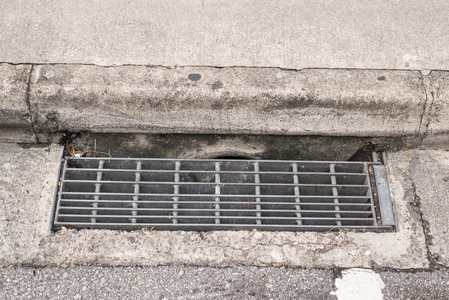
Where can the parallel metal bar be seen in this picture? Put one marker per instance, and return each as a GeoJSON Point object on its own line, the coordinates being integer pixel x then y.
{"type": "Point", "coordinates": [227, 183]}
{"type": "Point", "coordinates": [335, 192]}
{"type": "Point", "coordinates": [97, 191]}
{"type": "Point", "coordinates": [217, 192]}
{"type": "Point", "coordinates": [213, 202]}
{"type": "Point", "coordinates": [170, 226]}
{"type": "Point", "coordinates": [176, 192]}
{"type": "Point", "coordinates": [257, 191]}
{"type": "Point", "coordinates": [323, 162]}
{"type": "Point", "coordinates": [217, 209]}
{"type": "Point", "coordinates": [213, 172]}
{"type": "Point", "coordinates": [213, 195]}
{"type": "Point", "coordinates": [213, 217]}
{"type": "Point", "coordinates": [136, 190]}
{"type": "Point", "coordinates": [296, 189]}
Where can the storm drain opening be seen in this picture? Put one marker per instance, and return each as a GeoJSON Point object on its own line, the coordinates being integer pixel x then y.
{"type": "Point", "coordinates": [221, 194]}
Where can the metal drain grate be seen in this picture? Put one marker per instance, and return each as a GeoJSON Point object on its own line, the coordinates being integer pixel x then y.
{"type": "Point", "coordinates": [192, 194]}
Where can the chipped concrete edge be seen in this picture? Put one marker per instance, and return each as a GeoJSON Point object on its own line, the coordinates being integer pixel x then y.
{"type": "Point", "coordinates": [292, 102]}
{"type": "Point", "coordinates": [426, 116]}
{"type": "Point", "coordinates": [436, 123]}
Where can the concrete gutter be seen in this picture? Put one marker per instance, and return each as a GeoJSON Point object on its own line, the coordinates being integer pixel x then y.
{"type": "Point", "coordinates": [206, 100]}
{"type": "Point", "coordinates": [26, 240]}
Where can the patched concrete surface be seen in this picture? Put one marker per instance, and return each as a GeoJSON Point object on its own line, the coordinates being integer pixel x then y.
{"type": "Point", "coordinates": [27, 192]}
{"type": "Point", "coordinates": [429, 171]}
{"type": "Point", "coordinates": [438, 127]}
{"type": "Point", "coordinates": [165, 283]}
{"type": "Point", "coordinates": [358, 284]}
{"type": "Point", "coordinates": [140, 99]}
{"type": "Point", "coordinates": [15, 119]}
{"type": "Point", "coordinates": [293, 34]}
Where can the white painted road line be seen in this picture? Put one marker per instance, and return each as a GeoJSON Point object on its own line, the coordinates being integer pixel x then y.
{"type": "Point", "coordinates": [359, 284]}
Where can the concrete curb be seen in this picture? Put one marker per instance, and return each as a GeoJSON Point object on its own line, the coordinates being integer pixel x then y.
{"type": "Point", "coordinates": [141, 99]}
{"type": "Point", "coordinates": [228, 100]}
{"type": "Point", "coordinates": [15, 119]}
{"type": "Point", "coordinates": [437, 135]}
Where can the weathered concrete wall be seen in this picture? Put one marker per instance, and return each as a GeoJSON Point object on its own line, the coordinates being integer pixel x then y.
{"type": "Point", "coordinates": [377, 104]}
{"type": "Point", "coordinates": [230, 100]}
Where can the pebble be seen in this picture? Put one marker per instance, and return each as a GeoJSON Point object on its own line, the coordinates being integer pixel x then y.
{"type": "Point", "coordinates": [186, 238]}
{"type": "Point", "coordinates": [49, 74]}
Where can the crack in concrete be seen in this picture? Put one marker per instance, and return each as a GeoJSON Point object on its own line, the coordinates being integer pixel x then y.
{"type": "Point", "coordinates": [28, 103]}
{"type": "Point", "coordinates": [425, 72]}
{"type": "Point", "coordinates": [425, 118]}
{"type": "Point", "coordinates": [433, 261]}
